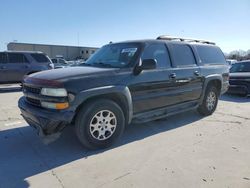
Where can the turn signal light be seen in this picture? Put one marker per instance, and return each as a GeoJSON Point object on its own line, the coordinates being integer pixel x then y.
{"type": "Point", "coordinates": [57, 106]}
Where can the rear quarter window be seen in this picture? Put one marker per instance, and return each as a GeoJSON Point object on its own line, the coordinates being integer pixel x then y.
{"type": "Point", "coordinates": [182, 55]}
{"type": "Point", "coordinates": [40, 58]}
{"type": "Point", "coordinates": [211, 55]}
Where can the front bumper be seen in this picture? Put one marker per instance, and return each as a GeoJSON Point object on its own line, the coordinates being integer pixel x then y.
{"type": "Point", "coordinates": [225, 87]}
{"type": "Point", "coordinates": [46, 122]}
{"type": "Point", "coordinates": [238, 89]}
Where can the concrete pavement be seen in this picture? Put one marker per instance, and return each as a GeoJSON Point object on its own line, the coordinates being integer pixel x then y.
{"type": "Point", "coordinates": [186, 150]}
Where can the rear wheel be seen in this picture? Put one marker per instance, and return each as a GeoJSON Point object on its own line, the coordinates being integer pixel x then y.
{"type": "Point", "coordinates": [99, 124]}
{"type": "Point", "coordinates": [210, 101]}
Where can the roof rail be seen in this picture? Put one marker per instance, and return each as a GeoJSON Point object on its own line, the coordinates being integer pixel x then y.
{"type": "Point", "coordinates": [171, 38]}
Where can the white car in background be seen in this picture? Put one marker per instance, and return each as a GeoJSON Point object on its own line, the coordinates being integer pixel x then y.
{"type": "Point", "coordinates": [60, 63]}
{"type": "Point", "coordinates": [231, 61]}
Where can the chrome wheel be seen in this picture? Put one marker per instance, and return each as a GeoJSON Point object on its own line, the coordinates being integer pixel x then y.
{"type": "Point", "coordinates": [211, 100]}
{"type": "Point", "coordinates": [103, 125]}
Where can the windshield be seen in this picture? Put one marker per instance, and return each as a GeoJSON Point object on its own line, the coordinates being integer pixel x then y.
{"type": "Point", "coordinates": [114, 55]}
{"type": "Point", "coordinates": [240, 67]}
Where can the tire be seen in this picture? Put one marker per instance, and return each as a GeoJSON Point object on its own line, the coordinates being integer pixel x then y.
{"type": "Point", "coordinates": [99, 124]}
{"type": "Point", "coordinates": [209, 102]}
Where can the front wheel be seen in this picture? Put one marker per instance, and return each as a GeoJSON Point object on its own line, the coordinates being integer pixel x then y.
{"type": "Point", "coordinates": [209, 102]}
{"type": "Point", "coordinates": [99, 124]}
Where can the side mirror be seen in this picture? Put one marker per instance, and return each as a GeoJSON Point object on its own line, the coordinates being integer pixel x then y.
{"type": "Point", "coordinates": [148, 64]}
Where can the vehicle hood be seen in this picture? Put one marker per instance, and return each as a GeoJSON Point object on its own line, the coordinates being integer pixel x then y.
{"type": "Point", "coordinates": [71, 72]}
{"type": "Point", "coordinates": [239, 75]}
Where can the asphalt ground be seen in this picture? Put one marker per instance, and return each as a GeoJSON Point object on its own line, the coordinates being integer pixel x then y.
{"type": "Point", "coordinates": [185, 150]}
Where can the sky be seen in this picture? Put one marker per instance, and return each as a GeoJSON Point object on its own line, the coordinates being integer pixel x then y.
{"type": "Point", "coordinates": [97, 22]}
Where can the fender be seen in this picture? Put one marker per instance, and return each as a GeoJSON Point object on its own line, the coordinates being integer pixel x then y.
{"type": "Point", "coordinates": [95, 92]}
{"type": "Point", "coordinates": [207, 80]}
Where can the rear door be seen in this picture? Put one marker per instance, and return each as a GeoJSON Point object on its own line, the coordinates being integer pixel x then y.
{"type": "Point", "coordinates": [3, 67]}
{"type": "Point", "coordinates": [186, 74]}
{"type": "Point", "coordinates": [18, 66]}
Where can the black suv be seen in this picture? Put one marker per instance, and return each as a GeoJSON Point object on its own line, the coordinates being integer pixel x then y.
{"type": "Point", "coordinates": [134, 81]}
{"type": "Point", "coordinates": [14, 65]}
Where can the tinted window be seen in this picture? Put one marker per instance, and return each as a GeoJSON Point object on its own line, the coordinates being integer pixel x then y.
{"type": "Point", "coordinates": [54, 60]}
{"type": "Point", "coordinates": [17, 58]}
{"type": "Point", "coordinates": [40, 58]}
{"type": "Point", "coordinates": [240, 67]}
{"type": "Point", "coordinates": [3, 58]}
{"type": "Point", "coordinates": [182, 55]}
{"type": "Point", "coordinates": [211, 55]}
{"type": "Point", "coordinates": [157, 52]}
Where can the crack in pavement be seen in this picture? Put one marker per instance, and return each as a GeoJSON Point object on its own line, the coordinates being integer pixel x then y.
{"type": "Point", "coordinates": [122, 176]}
{"type": "Point", "coordinates": [237, 116]}
{"type": "Point", "coordinates": [236, 122]}
{"type": "Point", "coordinates": [43, 161]}
{"type": "Point", "coordinates": [110, 181]}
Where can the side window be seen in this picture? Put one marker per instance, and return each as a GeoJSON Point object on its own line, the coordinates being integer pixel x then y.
{"type": "Point", "coordinates": [40, 58]}
{"type": "Point", "coordinates": [54, 60]}
{"type": "Point", "coordinates": [182, 55]}
{"type": "Point", "coordinates": [3, 58]}
{"type": "Point", "coordinates": [17, 58]}
{"type": "Point", "coordinates": [159, 53]}
{"type": "Point", "coordinates": [61, 61]}
{"type": "Point", "coordinates": [211, 55]}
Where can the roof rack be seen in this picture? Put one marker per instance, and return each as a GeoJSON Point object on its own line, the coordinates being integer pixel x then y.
{"type": "Point", "coordinates": [171, 38]}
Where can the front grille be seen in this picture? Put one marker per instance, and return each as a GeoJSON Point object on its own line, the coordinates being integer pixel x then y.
{"type": "Point", "coordinates": [30, 89]}
{"type": "Point", "coordinates": [33, 101]}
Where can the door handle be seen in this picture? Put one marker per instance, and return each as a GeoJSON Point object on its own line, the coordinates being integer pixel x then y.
{"type": "Point", "coordinates": [196, 73]}
{"type": "Point", "coordinates": [172, 76]}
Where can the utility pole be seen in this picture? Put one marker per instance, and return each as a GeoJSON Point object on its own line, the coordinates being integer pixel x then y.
{"type": "Point", "coordinates": [78, 39]}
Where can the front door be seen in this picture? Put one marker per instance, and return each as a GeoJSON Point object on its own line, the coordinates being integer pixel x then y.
{"type": "Point", "coordinates": [153, 89]}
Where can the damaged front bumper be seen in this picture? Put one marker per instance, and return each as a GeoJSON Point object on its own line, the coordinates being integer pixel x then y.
{"type": "Point", "coordinates": [48, 123]}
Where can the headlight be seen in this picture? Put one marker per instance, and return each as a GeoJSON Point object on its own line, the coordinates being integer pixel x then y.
{"type": "Point", "coordinates": [54, 92]}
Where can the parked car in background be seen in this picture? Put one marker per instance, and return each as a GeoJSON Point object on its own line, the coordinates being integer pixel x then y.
{"type": "Point", "coordinates": [135, 81]}
{"type": "Point", "coordinates": [239, 78]}
{"type": "Point", "coordinates": [231, 61]}
{"type": "Point", "coordinates": [59, 63]}
{"type": "Point", "coordinates": [14, 65]}
{"type": "Point", "coordinates": [76, 62]}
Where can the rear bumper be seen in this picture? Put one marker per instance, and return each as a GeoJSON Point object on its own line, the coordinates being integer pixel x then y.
{"type": "Point", "coordinates": [46, 122]}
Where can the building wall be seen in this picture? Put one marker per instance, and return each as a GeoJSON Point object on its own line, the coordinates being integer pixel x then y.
{"type": "Point", "coordinates": [41, 48]}
{"type": "Point", "coordinates": [87, 52]}
{"type": "Point", "coordinates": [67, 52]}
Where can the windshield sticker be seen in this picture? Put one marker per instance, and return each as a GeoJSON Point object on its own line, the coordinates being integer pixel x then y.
{"type": "Point", "coordinates": [129, 50]}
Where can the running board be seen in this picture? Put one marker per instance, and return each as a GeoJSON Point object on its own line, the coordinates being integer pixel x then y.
{"type": "Point", "coordinates": [164, 112]}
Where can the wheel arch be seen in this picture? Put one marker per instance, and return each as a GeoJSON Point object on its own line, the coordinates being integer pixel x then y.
{"type": "Point", "coordinates": [118, 94]}
{"type": "Point", "coordinates": [215, 80]}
